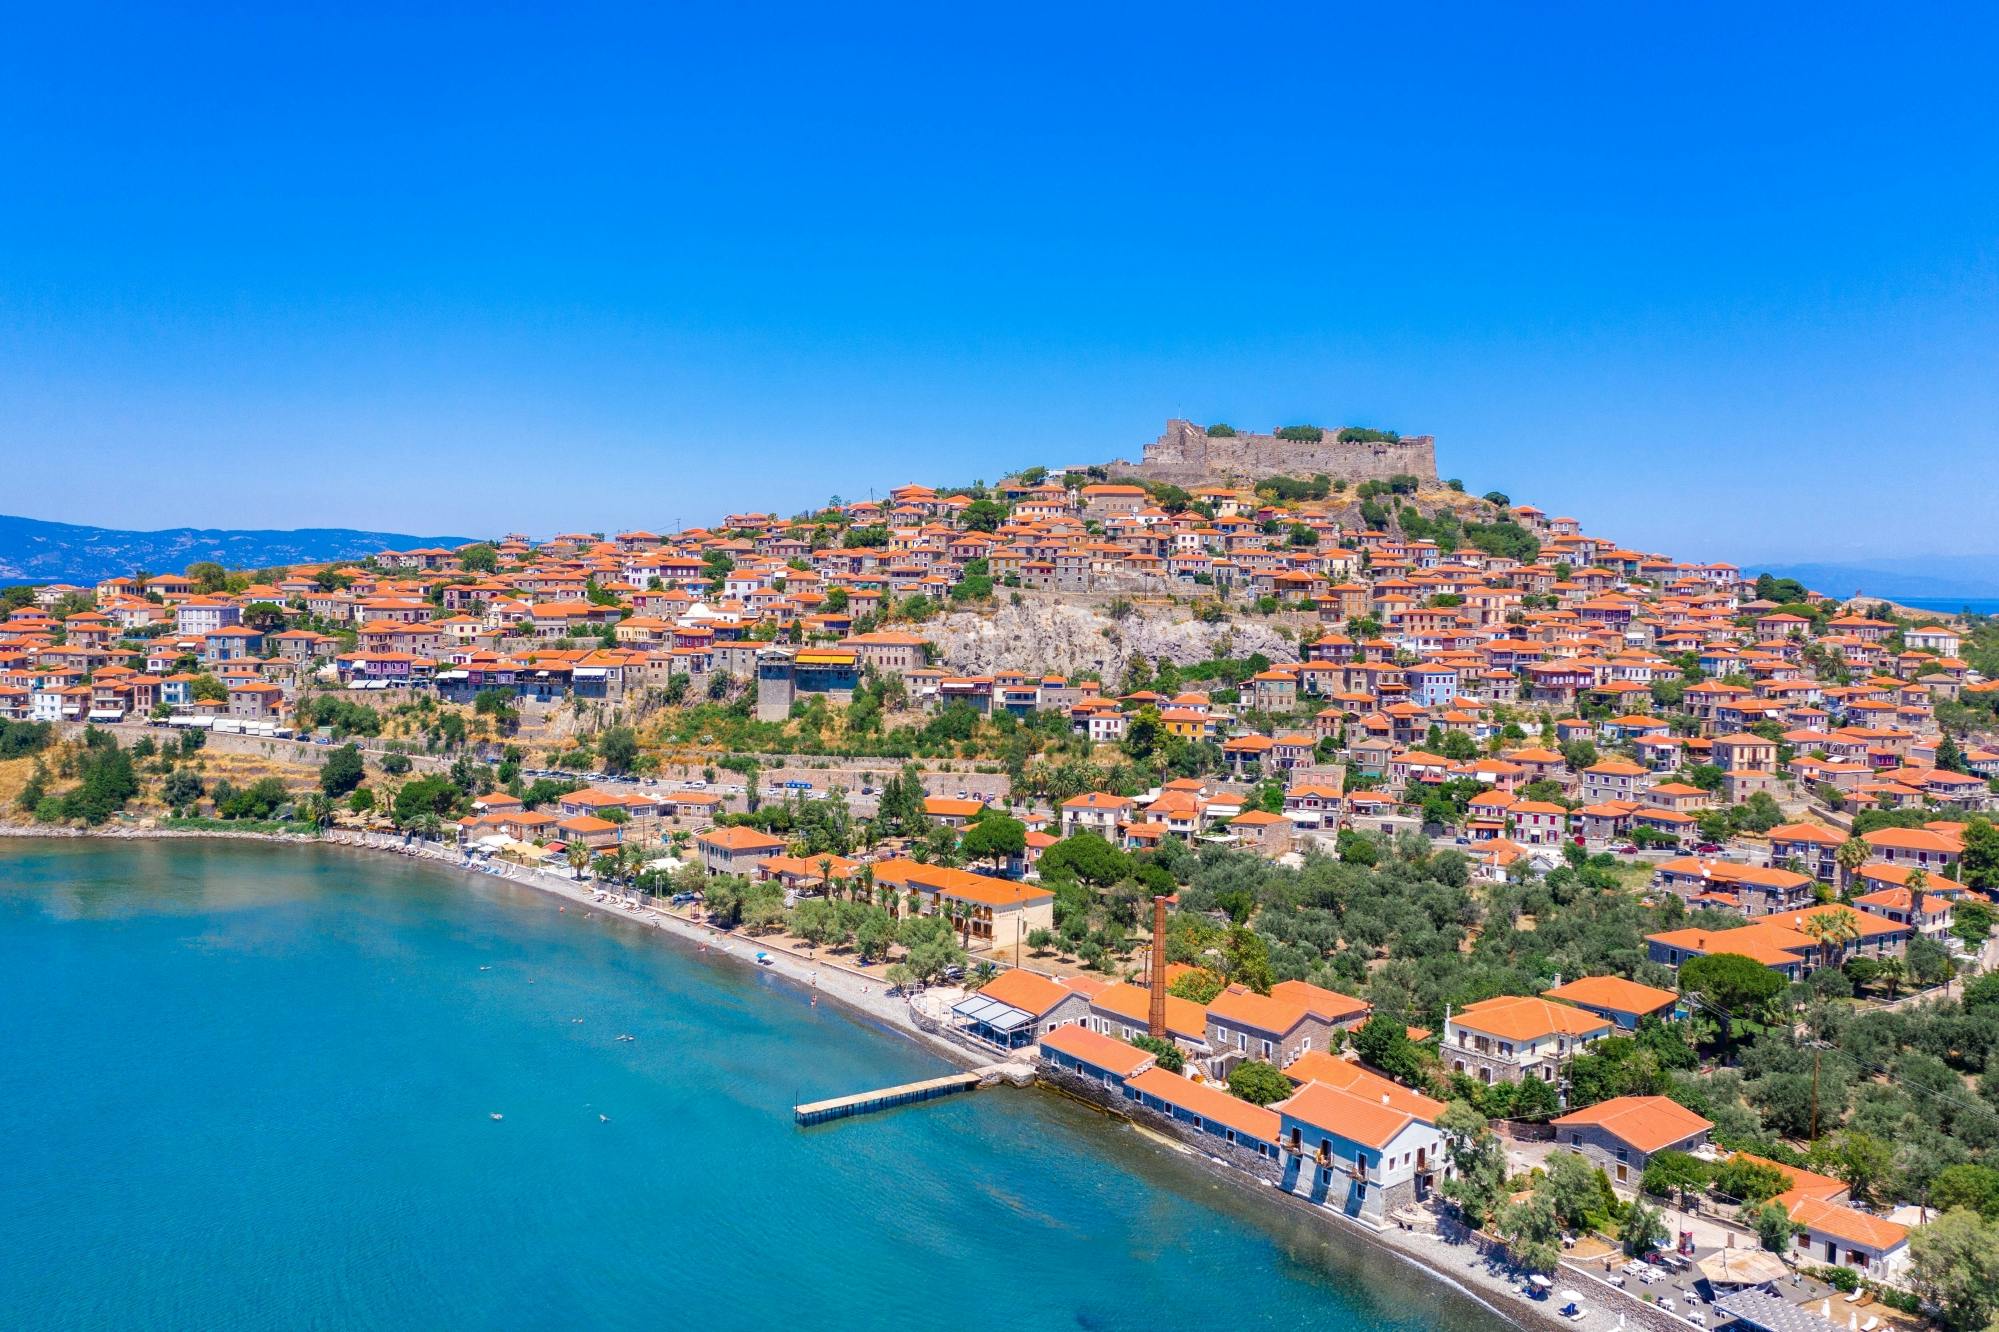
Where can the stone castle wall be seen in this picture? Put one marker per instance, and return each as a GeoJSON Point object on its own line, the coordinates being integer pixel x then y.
{"type": "Point", "coordinates": [1186, 455]}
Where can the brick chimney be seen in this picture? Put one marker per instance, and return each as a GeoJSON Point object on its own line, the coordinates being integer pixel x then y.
{"type": "Point", "coordinates": [1156, 1015]}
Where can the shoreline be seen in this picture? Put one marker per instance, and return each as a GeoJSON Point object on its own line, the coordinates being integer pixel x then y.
{"type": "Point", "coordinates": [857, 992]}
{"type": "Point", "coordinates": [1481, 1278]}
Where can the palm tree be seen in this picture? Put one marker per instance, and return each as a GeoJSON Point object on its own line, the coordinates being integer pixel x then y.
{"type": "Point", "coordinates": [578, 856]}
{"type": "Point", "coordinates": [1832, 930]}
{"type": "Point", "coordinates": [1892, 974]}
{"type": "Point", "coordinates": [1852, 854]}
{"type": "Point", "coordinates": [1918, 884]}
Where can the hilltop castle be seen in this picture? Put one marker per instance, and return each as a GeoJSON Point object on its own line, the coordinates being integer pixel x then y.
{"type": "Point", "coordinates": [1187, 454]}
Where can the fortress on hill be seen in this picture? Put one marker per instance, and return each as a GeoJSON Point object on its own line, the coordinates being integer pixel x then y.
{"type": "Point", "coordinates": [1186, 454]}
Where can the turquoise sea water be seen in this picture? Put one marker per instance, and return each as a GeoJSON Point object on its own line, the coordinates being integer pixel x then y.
{"type": "Point", "coordinates": [1953, 605]}
{"type": "Point", "coordinates": [250, 1086]}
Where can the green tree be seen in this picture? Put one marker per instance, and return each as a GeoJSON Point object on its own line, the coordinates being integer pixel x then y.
{"type": "Point", "coordinates": [983, 515]}
{"type": "Point", "coordinates": [1197, 984]}
{"type": "Point", "coordinates": [1532, 1231]}
{"type": "Point", "coordinates": [1576, 1187]}
{"type": "Point", "coordinates": [1246, 959]}
{"type": "Point", "coordinates": [181, 789]}
{"type": "Point", "coordinates": [1477, 1182]}
{"type": "Point", "coordinates": [1384, 1043]}
{"type": "Point", "coordinates": [1143, 732]}
{"type": "Point", "coordinates": [1978, 867]}
{"type": "Point", "coordinates": [434, 796]}
{"type": "Point", "coordinates": [1749, 1181]}
{"type": "Point", "coordinates": [342, 771]}
{"type": "Point", "coordinates": [996, 837]}
{"type": "Point", "coordinates": [1774, 1227]}
{"type": "Point", "coordinates": [1643, 1230]}
{"type": "Point", "coordinates": [1731, 982]}
{"type": "Point", "coordinates": [1954, 1262]}
{"type": "Point", "coordinates": [874, 933]}
{"type": "Point", "coordinates": [1860, 1159]}
{"type": "Point", "coordinates": [1085, 856]}
{"type": "Point", "coordinates": [1254, 1080]}
{"type": "Point", "coordinates": [1164, 1051]}
{"type": "Point", "coordinates": [816, 921]}
{"type": "Point", "coordinates": [1673, 1173]}
{"type": "Point", "coordinates": [1965, 1185]}
{"type": "Point", "coordinates": [618, 746]}
{"type": "Point", "coordinates": [479, 557]}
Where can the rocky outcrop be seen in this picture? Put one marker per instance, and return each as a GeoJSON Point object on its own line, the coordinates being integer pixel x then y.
{"type": "Point", "coordinates": [1043, 635]}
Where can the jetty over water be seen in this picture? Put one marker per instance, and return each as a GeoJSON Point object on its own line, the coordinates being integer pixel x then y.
{"type": "Point", "coordinates": [908, 1093]}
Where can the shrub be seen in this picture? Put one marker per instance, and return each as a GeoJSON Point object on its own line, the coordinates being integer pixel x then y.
{"type": "Point", "coordinates": [1167, 1053]}
{"type": "Point", "coordinates": [1301, 434]}
{"type": "Point", "coordinates": [1221, 430]}
{"type": "Point", "coordinates": [1366, 435]}
{"type": "Point", "coordinates": [1258, 1082]}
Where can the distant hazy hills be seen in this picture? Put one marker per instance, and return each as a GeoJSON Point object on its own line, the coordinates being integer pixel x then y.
{"type": "Point", "coordinates": [32, 551]}
{"type": "Point", "coordinates": [1972, 576]}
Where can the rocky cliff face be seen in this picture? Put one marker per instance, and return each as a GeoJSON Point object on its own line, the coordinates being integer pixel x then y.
{"type": "Point", "coordinates": [1044, 635]}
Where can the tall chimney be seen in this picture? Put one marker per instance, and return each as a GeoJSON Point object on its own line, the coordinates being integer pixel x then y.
{"type": "Point", "coordinates": [1156, 1016]}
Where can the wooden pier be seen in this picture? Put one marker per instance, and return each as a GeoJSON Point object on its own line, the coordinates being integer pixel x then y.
{"type": "Point", "coordinates": [861, 1103]}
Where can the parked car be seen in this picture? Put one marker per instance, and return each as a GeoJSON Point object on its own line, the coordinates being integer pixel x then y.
{"type": "Point", "coordinates": [1709, 848]}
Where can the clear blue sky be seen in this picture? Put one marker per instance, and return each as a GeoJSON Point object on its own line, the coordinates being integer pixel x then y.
{"type": "Point", "coordinates": [1719, 280]}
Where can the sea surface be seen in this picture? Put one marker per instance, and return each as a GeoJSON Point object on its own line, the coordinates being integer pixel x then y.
{"type": "Point", "coordinates": [1951, 605]}
{"type": "Point", "coordinates": [253, 1086]}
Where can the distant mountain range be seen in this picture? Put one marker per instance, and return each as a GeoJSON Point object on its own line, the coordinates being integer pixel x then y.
{"type": "Point", "coordinates": [1975, 577]}
{"type": "Point", "coordinates": [33, 551]}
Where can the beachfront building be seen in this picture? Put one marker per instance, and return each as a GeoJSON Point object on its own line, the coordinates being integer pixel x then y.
{"type": "Point", "coordinates": [1511, 1037]}
{"type": "Point", "coordinates": [1625, 1132]}
{"type": "Point", "coordinates": [1207, 1109]}
{"type": "Point", "coordinates": [735, 850]}
{"type": "Point", "coordinates": [991, 914]}
{"type": "Point", "coordinates": [1357, 1156]}
{"type": "Point", "coordinates": [1097, 1058]}
{"type": "Point", "coordinates": [1017, 1007]}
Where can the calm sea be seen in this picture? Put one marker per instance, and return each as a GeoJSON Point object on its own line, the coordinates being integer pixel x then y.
{"type": "Point", "coordinates": [250, 1086]}
{"type": "Point", "coordinates": [1951, 605]}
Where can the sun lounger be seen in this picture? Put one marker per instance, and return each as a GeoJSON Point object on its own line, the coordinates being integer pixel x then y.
{"type": "Point", "coordinates": [1856, 1297]}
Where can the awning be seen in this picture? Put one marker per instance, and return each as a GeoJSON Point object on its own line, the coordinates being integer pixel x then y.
{"type": "Point", "coordinates": [1742, 1267]}
{"type": "Point", "coordinates": [1760, 1309]}
{"type": "Point", "coordinates": [991, 1013]}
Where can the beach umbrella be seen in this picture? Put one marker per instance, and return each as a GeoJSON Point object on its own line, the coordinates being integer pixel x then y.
{"type": "Point", "coordinates": [1569, 1297]}
{"type": "Point", "coordinates": [1540, 1281]}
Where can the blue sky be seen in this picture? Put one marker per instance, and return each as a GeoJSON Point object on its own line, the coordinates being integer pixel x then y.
{"type": "Point", "coordinates": [1719, 280]}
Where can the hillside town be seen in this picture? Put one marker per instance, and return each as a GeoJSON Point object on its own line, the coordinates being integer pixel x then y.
{"type": "Point", "coordinates": [1635, 913]}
